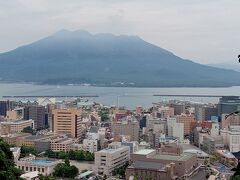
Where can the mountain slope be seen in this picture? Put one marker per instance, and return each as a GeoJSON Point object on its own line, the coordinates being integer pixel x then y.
{"type": "Point", "coordinates": [104, 59]}
{"type": "Point", "coordinates": [226, 65]}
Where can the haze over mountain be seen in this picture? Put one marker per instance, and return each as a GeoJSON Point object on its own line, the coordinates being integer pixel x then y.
{"type": "Point", "coordinates": [226, 65]}
{"type": "Point", "coordinates": [75, 57]}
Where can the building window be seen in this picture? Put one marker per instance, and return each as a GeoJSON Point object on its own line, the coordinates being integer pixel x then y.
{"type": "Point", "coordinates": [38, 169]}
{"type": "Point", "coordinates": [23, 168]}
{"type": "Point", "coordinates": [42, 169]}
{"type": "Point", "coordinates": [26, 168]}
{"type": "Point", "coordinates": [35, 168]}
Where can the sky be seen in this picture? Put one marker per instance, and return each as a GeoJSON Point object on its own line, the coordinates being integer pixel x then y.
{"type": "Point", "coordinates": [205, 31]}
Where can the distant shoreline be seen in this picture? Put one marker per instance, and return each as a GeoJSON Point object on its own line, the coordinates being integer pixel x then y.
{"type": "Point", "coordinates": [107, 85]}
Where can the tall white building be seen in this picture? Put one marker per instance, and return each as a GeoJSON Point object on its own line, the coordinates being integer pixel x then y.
{"type": "Point", "coordinates": [231, 138]}
{"type": "Point", "coordinates": [175, 129]}
{"type": "Point", "coordinates": [215, 129]}
{"type": "Point", "coordinates": [113, 157]}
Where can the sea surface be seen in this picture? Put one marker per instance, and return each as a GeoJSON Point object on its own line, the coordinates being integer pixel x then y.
{"type": "Point", "coordinates": [122, 96]}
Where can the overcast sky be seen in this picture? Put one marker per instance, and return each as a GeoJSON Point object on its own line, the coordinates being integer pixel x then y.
{"type": "Point", "coordinates": [206, 31]}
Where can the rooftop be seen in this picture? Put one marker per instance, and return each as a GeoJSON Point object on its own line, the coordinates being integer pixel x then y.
{"type": "Point", "coordinates": [16, 122]}
{"type": "Point", "coordinates": [182, 157]}
{"type": "Point", "coordinates": [93, 129]}
{"type": "Point", "coordinates": [226, 153]}
{"type": "Point", "coordinates": [30, 175]}
{"type": "Point", "coordinates": [148, 165]}
{"type": "Point", "coordinates": [144, 151]}
{"type": "Point", "coordinates": [188, 148]}
{"type": "Point", "coordinates": [112, 150]}
{"type": "Point", "coordinates": [42, 162]}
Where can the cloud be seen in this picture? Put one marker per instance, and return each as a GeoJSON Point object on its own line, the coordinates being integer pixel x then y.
{"type": "Point", "coordinates": [206, 31]}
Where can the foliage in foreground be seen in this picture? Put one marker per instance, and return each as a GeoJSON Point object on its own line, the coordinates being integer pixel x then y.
{"type": "Point", "coordinates": [121, 170]}
{"type": "Point", "coordinates": [8, 171]}
{"type": "Point", "coordinates": [65, 170]}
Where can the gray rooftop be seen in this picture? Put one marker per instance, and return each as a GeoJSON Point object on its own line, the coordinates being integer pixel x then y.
{"type": "Point", "coordinates": [94, 129]}
{"type": "Point", "coordinates": [148, 165]}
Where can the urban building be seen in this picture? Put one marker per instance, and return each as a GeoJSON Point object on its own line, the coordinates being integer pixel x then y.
{"type": "Point", "coordinates": [226, 157]}
{"type": "Point", "coordinates": [204, 112]}
{"type": "Point", "coordinates": [133, 145]}
{"type": "Point", "coordinates": [210, 144]}
{"type": "Point", "coordinates": [15, 114]}
{"type": "Point", "coordinates": [11, 127]}
{"type": "Point", "coordinates": [67, 121]}
{"type": "Point", "coordinates": [90, 145]}
{"type": "Point", "coordinates": [16, 151]}
{"type": "Point", "coordinates": [150, 170]}
{"type": "Point", "coordinates": [62, 144]}
{"type": "Point", "coordinates": [165, 112]}
{"type": "Point", "coordinates": [202, 156]}
{"type": "Point", "coordinates": [111, 158]}
{"type": "Point", "coordinates": [179, 108]}
{"type": "Point", "coordinates": [37, 114]}
{"type": "Point", "coordinates": [175, 129]}
{"type": "Point", "coordinates": [6, 106]}
{"type": "Point", "coordinates": [185, 163]}
{"type": "Point", "coordinates": [233, 120]}
{"type": "Point", "coordinates": [228, 104]}
{"type": "Point", "coordinates": [231, 138]}
{"type": "Point", "coordinates": [43, 166]}
{"type": "Point", "coordinates": [186, 120]}
{"type": "Point", "coordinates": [127, 128]}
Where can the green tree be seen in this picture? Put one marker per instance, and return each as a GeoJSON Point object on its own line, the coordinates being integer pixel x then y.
{"type": "Point", "coordinates": [237, 177]}
{"type": "Point", "coordinates": [42, 177]}
{"type": "Point", "coordinates": [8, 171]}
{"type": "Point", "coordinates": [72, 155]}
{"type": "Point", "coordinates": [65, 170]}
{"type": "Point", "coordinates": [104, 115]}
{"type": "Point", "coordinates": [25, 151]}
{"type": "Point", "coordinates": [27, 130]}
{"type": "Point", "coordinates": [51, 154]}
{"type": "Point", "coordinates": [62, 155]}
{"type": "Point", "coordinates": [237, 171]}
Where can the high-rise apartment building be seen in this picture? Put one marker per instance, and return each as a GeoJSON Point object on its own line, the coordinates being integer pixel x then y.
{"type": "Point", "coordinates": [37, 114]}
{"type": "Point", "coordinates": [6, 106]}
{"type": "Point", "coordinates": [67, 121]}
{"type": "Point", "coordinates": [205, 112]}
{"type": "Point", "coordinates": [127, 128]}
{"type": "Point", "coordinates": [186, 120]}
{"type": "Point", "coordinates": [175, 129]}
{"type": "Point", "coordinates": [228, 104]}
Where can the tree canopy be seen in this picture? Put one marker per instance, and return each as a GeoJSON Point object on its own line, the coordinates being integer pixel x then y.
{"type": "Point", "coordinates": [8, 171]}
{"type": "Point", "coordinates": [72, 155]}
{"type": "Point", "coordinates": [65, 170]}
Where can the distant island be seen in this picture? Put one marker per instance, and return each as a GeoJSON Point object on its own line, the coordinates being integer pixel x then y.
{"type": "Point", "coordinates": [78, 57]}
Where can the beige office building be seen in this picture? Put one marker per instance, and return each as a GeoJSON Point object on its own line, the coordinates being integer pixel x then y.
{"type": "Point", "coordinates": [10, 127]}
{"type": "Point", "coordinates": [62, 144]}
{"type": "Point", "coordinates": [67, 121]}
{"type": "Point", "coordinates": [126, 128]}
{"type": "Point", "coordinates": [113, 157]}
{"type": "Point", "coordinates": [186, 120]}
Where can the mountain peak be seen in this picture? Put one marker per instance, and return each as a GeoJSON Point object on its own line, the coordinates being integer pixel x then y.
{"type": "Point", "coordinates": [65, 32]}
{"type": "Point", "coordinates": [106, 59]}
